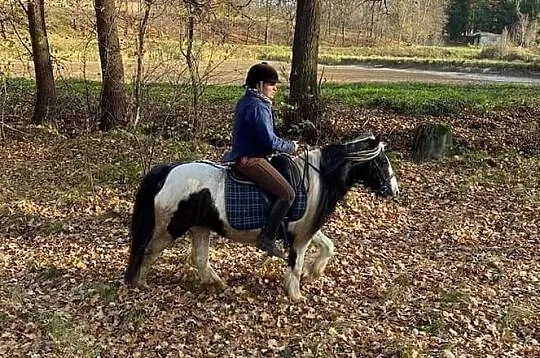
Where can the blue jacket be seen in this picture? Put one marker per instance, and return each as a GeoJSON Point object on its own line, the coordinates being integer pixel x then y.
{"type": "Point", "coordinates": [253, 130]}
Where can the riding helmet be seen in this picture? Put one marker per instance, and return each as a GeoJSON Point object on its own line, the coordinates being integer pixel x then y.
{"type": "Point", "coordinates": [261, 72]}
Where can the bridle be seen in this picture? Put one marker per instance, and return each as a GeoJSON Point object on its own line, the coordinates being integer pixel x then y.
{"type": "Point", "coordinates": [379, 172]}
{"type": "Point", "coordinates": [357, 158]}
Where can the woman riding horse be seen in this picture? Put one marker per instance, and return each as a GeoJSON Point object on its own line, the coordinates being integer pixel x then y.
{"type": "Point", "coordinates": [253, 140]}
{"type": "Point", "coordinates": [176, 198]}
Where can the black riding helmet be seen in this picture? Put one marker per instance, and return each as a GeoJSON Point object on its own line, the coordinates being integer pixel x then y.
{"type": "Point", "coordinates": [261, 72]}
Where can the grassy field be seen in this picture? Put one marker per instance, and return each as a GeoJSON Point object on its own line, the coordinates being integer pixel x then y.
{"type": "Point", "coordinates": [433, 99]}
{"type": "Point", "coordinates": [68, 50]}
{"type": "Point", "coordinates": [440, 57]}
{"type": "Point", "coordinates": [78, 99]}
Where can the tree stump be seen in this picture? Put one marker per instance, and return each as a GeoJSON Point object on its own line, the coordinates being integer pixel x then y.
{"type": "Point", "coordinates": [431, 141]}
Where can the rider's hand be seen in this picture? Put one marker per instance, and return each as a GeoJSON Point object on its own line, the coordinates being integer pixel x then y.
{"type": "Point", "coordinates": [296, 146]}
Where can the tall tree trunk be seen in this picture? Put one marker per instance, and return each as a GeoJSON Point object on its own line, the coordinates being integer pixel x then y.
{"type": "Point", "coordinates": [45, 89]}
{"type": "Point", "coordinates": [113, 101]}
{"type": "Point", "coordinates": [303, 79]}
{"type": "Point", "coordinates": [143, 24]}
{"type": "Point", "coordinates": [3, 27]}
{"type": "Point", "coordinates": [193, 72]}
{"type": "Point", "coordinates": [267, 22]}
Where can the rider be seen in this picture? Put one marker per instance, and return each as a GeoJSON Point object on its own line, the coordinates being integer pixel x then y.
{"type": "Point", "coordinates": [253, 140]}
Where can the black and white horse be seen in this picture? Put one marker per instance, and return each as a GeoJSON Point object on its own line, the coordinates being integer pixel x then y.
{"type": "Point", "coordinates": [176, 198]}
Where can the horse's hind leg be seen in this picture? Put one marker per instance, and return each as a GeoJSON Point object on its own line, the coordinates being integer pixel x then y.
{"type": "Point", "coordinates": [200, 240]}
{"type": "Point", "coordinates": [160, 240]}
{"type": "Point", "coordinates": [326, 250]}
{"type": "Point", "coordinates": [294, 271]}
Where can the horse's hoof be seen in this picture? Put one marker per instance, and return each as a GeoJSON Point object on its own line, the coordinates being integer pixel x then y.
{"type": "Point", "coordinates": [297, 298]}
{"type": "Point", "coordinates": [139, 285]}
{"type": "Point", "coordinates": [214, 285]}
{"type": "Point", "coordinates": [311, 277]}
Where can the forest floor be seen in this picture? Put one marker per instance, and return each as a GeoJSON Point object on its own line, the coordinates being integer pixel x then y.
{"type": "Point", "coordinates": [451, 269]}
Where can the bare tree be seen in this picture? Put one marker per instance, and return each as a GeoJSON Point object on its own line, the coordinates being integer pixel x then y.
{"type": "Point", "coordinates": [45, 88]}
{"type": "Point", "coordinates": [4, 18]}
{"type": "Point", "coordinates": [113, 101]}
{"type": "Point", "coordinates": [203, 51]}
{"type": "Point", "coordinates": [267, 22]}
{"type": "Point", "coordinates": [143, 25]}
{"type": "Point", "coordinates": [304, 96]}
{"type": "Point", "coordinates": [525, 28]}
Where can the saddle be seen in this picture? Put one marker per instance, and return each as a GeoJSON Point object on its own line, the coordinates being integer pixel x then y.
{"type": "Point", "coordinates": [284, 164]}
{"type": "Point", "coordinates": [247, 204]}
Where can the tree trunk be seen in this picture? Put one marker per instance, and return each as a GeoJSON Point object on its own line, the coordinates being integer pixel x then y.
{"type": "Point", "coordinates": [45, 89]}
{"type": "Point", "coordinates": [3, 27]}
{"type": "Point", "coordinates": [143, 24]}
{"type": "Point", "coordinates": [267, 22]}
{"type": "Point", "coordinates": [193, 73]}
{"type": "Point", "coordinates": [113, 101]}
{"type": "Point", "coordinates": [303, 79]}
{"type": "Point", "coordinates": [431, 141]}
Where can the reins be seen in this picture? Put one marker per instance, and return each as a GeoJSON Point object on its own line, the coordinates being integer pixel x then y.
{"type": "Point", "coordinates": [305, 174]}
{"type": "Point", "coordinates": [356, 157]}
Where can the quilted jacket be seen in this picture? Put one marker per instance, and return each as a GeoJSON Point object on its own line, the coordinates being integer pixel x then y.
{"type": "Point", "coordinates": [253, 130]}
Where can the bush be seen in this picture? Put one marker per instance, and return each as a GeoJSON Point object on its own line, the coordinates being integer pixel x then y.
{"type": "Point", "coordinates": [491, 52]}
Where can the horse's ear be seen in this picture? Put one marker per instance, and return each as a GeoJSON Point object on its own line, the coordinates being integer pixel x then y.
{"type": "Point", "coordinates": [377, 139]}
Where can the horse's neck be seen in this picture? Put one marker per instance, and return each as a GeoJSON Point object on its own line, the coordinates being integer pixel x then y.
{"type": "Point", "coordinates": [330, 187]}
{"type": "Point", "coordinates": [309, 164]}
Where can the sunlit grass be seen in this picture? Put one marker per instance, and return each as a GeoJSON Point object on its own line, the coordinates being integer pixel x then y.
{"type": "Point", "coordinates": [411, 98]}
{"type": "Point", "coordinates": [438, 99]}
{"type": "Point", "coordinates": [69, 340]}
{"type": "Point", "coordinates": [449, 52]}
{"type": "Point", "coordinates": [73, 48]}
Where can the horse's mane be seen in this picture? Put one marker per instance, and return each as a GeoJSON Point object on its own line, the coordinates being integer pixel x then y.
{"type": "Point", "coordinates": [334, 168]}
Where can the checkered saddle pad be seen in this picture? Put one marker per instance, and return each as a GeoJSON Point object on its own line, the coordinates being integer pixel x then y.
{"type": "Point", "coordinates": [247, 205]}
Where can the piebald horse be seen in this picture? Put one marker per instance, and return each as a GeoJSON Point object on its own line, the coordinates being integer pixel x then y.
{"type": "Point", "coordinates": [175, 198]}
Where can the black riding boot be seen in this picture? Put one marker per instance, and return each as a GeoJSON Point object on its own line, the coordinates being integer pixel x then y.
{"type": "Point", "coordinates": [266, 240]}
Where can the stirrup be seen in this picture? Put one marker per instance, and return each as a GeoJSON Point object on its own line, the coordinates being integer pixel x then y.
{"type": "Point", "coordinates": [270, 248]}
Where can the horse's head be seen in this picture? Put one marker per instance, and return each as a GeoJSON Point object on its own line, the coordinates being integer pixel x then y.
{"type": "Point", "coordinates": [370, 166]}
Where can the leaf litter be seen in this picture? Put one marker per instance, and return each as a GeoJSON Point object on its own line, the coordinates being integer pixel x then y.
{"type": "Point", "coordinates": [451, 269]}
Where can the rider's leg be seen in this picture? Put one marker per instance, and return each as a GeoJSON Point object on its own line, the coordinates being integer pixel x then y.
{"type": "Point", "coordinates": [266, 176]}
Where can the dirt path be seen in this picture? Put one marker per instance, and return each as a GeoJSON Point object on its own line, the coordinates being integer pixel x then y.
{"type": "Point", "coordinates": [233, 72]}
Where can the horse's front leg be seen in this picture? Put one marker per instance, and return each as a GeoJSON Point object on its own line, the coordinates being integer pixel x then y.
{"type": "Point", "coordinates": [200, 241]}
{"type": "Point", "coordinates": [326, 250]}
{"type": "Point", "coordinates": [294, 269]}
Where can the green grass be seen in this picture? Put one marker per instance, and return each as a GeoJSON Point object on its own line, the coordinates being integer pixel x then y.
{"type": "Point", "coordinates": [450, 52]}
{"type": "Point", "coordinates": [516, 315]}
{"type": "Point", "coordinates": [433, 99]}
{"type": "Point", "coordinates": [453, 297]}
{"type": "Point", "coordinates": [124, 170]}
{"type": "Point", "coordinates": [50, 273]}
{"type": "Point", "coordinates": [70, 48]}
{"type": "Point", "coordinates": [435, 57]}
{"type": "Point", "coordinates": [69, 340]}
{"type": "Point", "coordinates": [406, 98]}
{"type": "Point", "coordinates": [106, 291]}
{"type": "Point", "coordinates": [134, 317]}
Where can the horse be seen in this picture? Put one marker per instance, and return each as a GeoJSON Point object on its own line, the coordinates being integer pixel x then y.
{"type": "Point", "coordinates": [176, 198]}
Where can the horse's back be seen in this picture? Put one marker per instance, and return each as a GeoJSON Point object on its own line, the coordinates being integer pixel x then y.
{"type": "Point", "coordinates": [189, 178]}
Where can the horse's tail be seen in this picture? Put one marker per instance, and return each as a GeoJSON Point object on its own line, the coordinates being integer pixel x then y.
{"type": "Point", "coordinates": [142, 222]}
